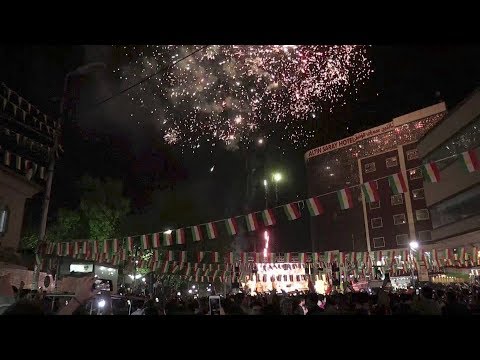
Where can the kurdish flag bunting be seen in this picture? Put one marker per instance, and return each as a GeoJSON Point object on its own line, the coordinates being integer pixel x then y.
{"type": "Point", "coordinates": [345, 198]}
{"type": "Point", "coordinates": [268, 217]}
{"type": "Point", "coordinates": [470, 160]}
{"type": "Point", "coordinates": [370, 191]}
{"type": "Point", "coordinates": [397, 183]}
{"type": "Point", "coordinates": [229, 258]}
{"type": "Point", "coordinates": [292, 211]}
{"type": "Point", "coordinates": [215, 257]}
{"type": "Point", "coordinates": [156, 243]}
{"type": "Point", "coordinates": [431, 173]}
{"type": "Point", "coordinates": [212, 230]}
{"type": "Point", "coordinates": [196, 234]}
{"type": "Point", "coordinates": [130, 244]}
{"type": "Point", "coordinates": [76, 248]}
{"type": "Point", "coordinates": [145, 242]}
{"type": "Point", "coordinates": [301, 257]}
{"type": "Point", "coordinates": [106, 248]}
{"type": "Point", "coordinates": [180, 236]}
{"type": "Point", "coordinates": [232, 226]}
{"type": "Point", "coordinates": [167, 238]}
{"type": "Point", "coordinates": [183, 257]}
{"type": "Point", "coordinates": [85, 248]}
{"type": "Point", "coordinates": [200, 256]}
{"type": "Point", "coordinates": [115, 246]}
{"type": "Point", "coordinates": [95, 247]}
{"type": "Point", "coordinates": [314, 206]}
{"type": "Point", "coordinates": [252, 223]}
{"type": "Point", "coordinates": [169, 255]}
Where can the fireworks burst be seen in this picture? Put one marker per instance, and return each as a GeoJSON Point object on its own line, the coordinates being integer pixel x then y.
{"type": "Point", "coordinates": [234, 94]}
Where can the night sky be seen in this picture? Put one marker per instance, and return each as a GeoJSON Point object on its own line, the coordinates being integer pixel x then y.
{"type": "Point", "coordinates": [104, 141]}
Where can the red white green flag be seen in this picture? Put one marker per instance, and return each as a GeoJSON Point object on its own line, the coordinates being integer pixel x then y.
{"type": "Point", "coordinates": [314, 206]}
{"type": "Point", "coordinates": [85, 248]}
{"type": "Point", "coordinates": [95, 247]}
{"type": "Point", "coordinates": [7, 157]}
{"type": "Point", "coordinates": [130, 244]}
{"type": "Point", "coordinates": [397, 183]}
{"type": "Point", "coordinates": [164, 267]}
{"type": "Point", "coordinates": [196, 234]}
{"type": "Point", "coordinates": [215, 256]}
{"type": "Point", "coordinates": [105, 246]}
{"type": "Point", "coordinates": [470, 160]}
{"type": "Point", "coordinates": [183, 257]}
{"type": "Point", "coordinates": [200, 256]}
{"type": "Point", "coordinates": [288, 257]}
{"type": "Point", "coordinates": [229, 257]}
{"type": "Point", "coordinates": [252, 223]}
{"type": "Point", "coordinates": [180, 236]}
{"type": "Point", "coordinates": [156, 243]}
{"type": "Point", "coordinates": [76, 248]}
{"type": "Point", "coordinates": [268, 217]}
{"type": "Point", "coordinates": [431, 173]}
{"type": "Point", "coordinates": [370, 191]}
{"type": "Point", "coordinates": [115, 246]}
{"type": "Point", "coordinates": [345, 198]}
{"type": "Point", "coordinates": [232, 226]}
{"type": "Point", "coordinates": [169, 255]}
{"type": "Point", "coordinates": [316, 257]}
{"type": "Point", "coordinates": [301, 258]}
{"type": "Point", "coordinates": [292, 211]}
{"type": "Point", "coordinates": [167, 238]}
{"type": "Point", "coordinates": [212, 230]}
{"type": "Point", "coordinates": [461, 253]}
{"type": "Point", "coordinates": [156, 255]}
{"type": "Point", "coordinates": [145, 242]}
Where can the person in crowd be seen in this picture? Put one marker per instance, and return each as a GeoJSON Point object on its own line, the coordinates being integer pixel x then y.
{"type": "Point", "coordinates": [453, 307]}
{"type": "Point", "coordinates": [312, 304]}
{"type": "Point", "coordinates": [425, 304]}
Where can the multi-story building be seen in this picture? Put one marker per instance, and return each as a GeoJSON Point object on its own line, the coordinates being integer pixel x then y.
{"type": "Point", "coordinates": [26, 144]}
{"type": "Point", "coordinates": [454, 201]}
{"type": "Point", "coordinates": [372, 155]}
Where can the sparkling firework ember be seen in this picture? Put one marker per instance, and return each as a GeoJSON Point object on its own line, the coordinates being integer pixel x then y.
{"type": "Point", "coordinates": [233, 94]}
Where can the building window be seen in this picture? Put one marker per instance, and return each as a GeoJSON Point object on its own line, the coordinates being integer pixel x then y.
{"type": "Point", "coordinates": [425, 235]}
{"type": "Point", "coordinates": [376, 223]}
{"type": "Point", "coordinates": [370, 167]}
{"type": "Point", "coordinates": [399, 219]}
{"type": "Point", "coordinates": [375, 205]}
{"type": "Point", "coordinates": [418, 194]}
{"type": "Point", "coordinates": [415, 174]}
{"type": "Point", "coordinates": [3, 220]}
{"type": "Point", "coordinates": [422, 214]}
{"type": "Point", "coordinates": [412, 154]}
{"type": "Point", "coordinates": [378, 242]}
{"type": "Point", "coordinates": [396, 199]}
{"type": "Point", "coordinates": [402, 239]}
{"type": "Point", "coordinates": [391, 162]}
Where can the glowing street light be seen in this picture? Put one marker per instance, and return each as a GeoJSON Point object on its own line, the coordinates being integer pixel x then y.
{"type": "Point", "coordinates": [277, 177]}
{"type": "Point", "coordinates": [260, 141]}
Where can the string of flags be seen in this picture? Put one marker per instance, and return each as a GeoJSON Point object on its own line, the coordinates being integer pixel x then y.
{"type": "Point", "coordinates": [25, 107]}
{"type": "Point", "coordinates": [26, 141]}
{"type": "Point", "coordinates": [29, 168]}
{"type": "Point", "coordinates": [260, 219]}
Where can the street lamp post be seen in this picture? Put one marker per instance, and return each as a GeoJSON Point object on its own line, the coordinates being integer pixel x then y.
{"type": "Point", "coordinates": [82, 70]}
{"type": "Point", "coordinates": [413, 246]}
{"type": "Point", "coordinates": [277, 177]}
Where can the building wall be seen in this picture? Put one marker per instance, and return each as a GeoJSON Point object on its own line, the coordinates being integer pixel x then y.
{"type": "Point", "coordinates": [14, 189]}
{"type": "Point", "coordinates": [334, 166]}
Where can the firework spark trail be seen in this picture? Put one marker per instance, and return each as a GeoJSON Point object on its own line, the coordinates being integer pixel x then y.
{"type": "Point", "coordinates": [232, 93]}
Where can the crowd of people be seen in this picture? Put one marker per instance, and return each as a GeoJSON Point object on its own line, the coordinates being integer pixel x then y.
{"type": "Point", "coordinates": [430, 299]}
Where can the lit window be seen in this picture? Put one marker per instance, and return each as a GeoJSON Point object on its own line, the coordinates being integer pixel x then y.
{"type": "Point", "coordinates": [415, 174]}
{"type": "Point", "coordinates": [391, 162]}
{"type": "Point", "coordinates": [370, 167]}
{"type": "Point", "coordinates": [412, 154]}
{"type": "Point", "coordinates": [376, 223]}
{"type": "Point", "coordinates": [418, 194]}
{"type": "Point", "coordinates": [402, 239]}
{"type": "Point", "coordinates": [399, 219]}
{"type": "Point", "coordinates": [378, 242]}
{"type": "Point", "coordinates": [396, 199]}
{"type": "Point", "coordinates": [374, 205]}
{"type": "Point", "coordinates": [422, 214]}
